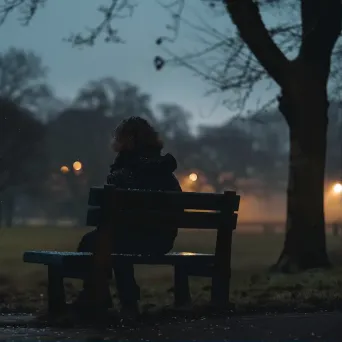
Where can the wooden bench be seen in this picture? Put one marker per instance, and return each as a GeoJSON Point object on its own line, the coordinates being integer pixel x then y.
{"type": "Point", "coordinates": [198, 211]}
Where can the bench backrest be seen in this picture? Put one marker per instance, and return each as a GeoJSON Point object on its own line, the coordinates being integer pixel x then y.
{"type": "Point", "coordinates": [184, 210]}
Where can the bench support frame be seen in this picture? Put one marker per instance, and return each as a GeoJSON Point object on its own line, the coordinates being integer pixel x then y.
{"type": "Point", "coordinates": [181, 286]}
{"type": "Point", "coordinates": [56, 291]}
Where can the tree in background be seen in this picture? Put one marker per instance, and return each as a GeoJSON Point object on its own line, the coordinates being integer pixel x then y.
{"type": "Point", "coordinates": [115, 99]}
{"type": "Point", "coordinates": [334, 148]}
{"type": "Point", "coordinates": [173, 123]}
{"type": "Point", "coordinates": [23, 79]}
{"type": "Point", "coordinates": [77, 135]}
{"type": "Point", "coordinates": [23, 93]}
{"type": "Point", "coordinates": [269, 133]}
{"type": "Point", "coordinates": [22, 155]}
{"type": "Point", "coordinates": [224, 152]}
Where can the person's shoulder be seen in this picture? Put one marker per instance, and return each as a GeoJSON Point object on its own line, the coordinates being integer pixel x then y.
{"type": "Point", "coordinates": [119, 178]}
{"type": "Point", "coordinates": [175, 183]}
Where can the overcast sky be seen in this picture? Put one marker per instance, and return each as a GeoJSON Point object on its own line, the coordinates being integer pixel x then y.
{"type": "Point", "coordinates": [70, 68]}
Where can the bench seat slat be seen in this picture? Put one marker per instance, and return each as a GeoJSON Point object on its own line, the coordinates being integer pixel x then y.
{"type": "Point", "coordinates": [75, 259]}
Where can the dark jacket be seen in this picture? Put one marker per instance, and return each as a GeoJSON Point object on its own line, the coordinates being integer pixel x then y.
{"type": "Point", "coordinates": [146, 172]}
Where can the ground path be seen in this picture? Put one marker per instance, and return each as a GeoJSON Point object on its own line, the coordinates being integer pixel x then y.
{"type": "Point", "coordinates": [285, 327]}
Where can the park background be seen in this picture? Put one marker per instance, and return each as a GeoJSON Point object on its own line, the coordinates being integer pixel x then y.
{"type": "Point", "coordinates": [59, 106]}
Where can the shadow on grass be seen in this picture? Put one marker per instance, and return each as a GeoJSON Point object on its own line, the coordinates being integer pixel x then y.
{"type": "Point", "coordinates": [309, 291]}
{"type": "Point", "coordinates": [258, 293]}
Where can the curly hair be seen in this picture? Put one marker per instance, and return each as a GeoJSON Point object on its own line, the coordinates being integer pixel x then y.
{"type": "Point", "coordinates": [136, 134]}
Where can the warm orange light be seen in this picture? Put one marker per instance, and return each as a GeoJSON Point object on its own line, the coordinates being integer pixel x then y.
{"type": "Point", "coordinates": [187, 253]}
{"type": "Point", "coordinates": [64, 169]}
{"type": "Point", "coordinates": [77, 166]}
{"type": "Point", "coordinates": [193, 177]}
{"type": "Point", "coordinates": [337, 188]}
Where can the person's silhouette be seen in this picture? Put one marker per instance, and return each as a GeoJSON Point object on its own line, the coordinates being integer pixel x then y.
{"type": "Point", "coordinates": [138, 165]}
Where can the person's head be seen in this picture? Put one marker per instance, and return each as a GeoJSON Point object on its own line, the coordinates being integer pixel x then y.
{"type": "Point", "coordinates": [136, 134]}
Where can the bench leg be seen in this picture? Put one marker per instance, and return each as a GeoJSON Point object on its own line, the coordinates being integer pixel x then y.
{"type": "Point", "coordinates": [181, 286]}
{"type": "Point", "coordinates": [56, 293]}
{"type": "Point", "coordinates": [220, 291]}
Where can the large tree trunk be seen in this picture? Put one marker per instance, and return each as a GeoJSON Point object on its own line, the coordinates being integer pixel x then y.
{"type": "Point", "coordinates": [303, 82]}
{"type": "Point", "coordinates": [305, 244]}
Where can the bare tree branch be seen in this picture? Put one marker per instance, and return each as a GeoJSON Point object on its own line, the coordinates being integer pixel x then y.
{"type": "Point", "coordinates": [225, 62]}
{"type": "Point", "coordinates": [176, 15]}
{"type": "Point", "coordinates": [27, 9]}
{"type": "Point", "coordinates": [118, 9]}
{"type": "Point", "coordinates": [258, 40]}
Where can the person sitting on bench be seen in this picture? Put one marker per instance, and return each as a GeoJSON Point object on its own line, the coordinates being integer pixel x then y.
{"type": "Point", "coordinates": [138, 165]}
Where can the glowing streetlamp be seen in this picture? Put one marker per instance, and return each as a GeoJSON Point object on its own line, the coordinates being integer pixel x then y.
{"type": "Point", "coordinates": [337, 188]}
{"type": "Point", "coordinates": [64, 169]}
{"type": "Point", "coordinates": [77, 165]}
{"type": "Point", "coordinates": [193, 177]}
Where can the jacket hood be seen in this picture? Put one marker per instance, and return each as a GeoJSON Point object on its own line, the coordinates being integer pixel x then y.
{"type": "Point", "coordinates": [151, 164]}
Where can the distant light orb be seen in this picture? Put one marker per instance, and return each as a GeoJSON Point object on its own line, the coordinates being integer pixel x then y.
{"type": "Point", "coordinates": [77, 166]}
{"type": "Point", "coordinates": [337, 188]}
{"type": "Point", "coordinates": [64, 169]}
{"type": "Point", "coordinates": [193, 177]}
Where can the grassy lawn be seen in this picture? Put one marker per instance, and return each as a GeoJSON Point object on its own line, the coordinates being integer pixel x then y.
{"type": "Point", "coordinates": [23, 286]}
